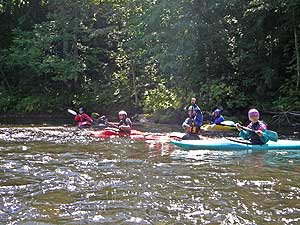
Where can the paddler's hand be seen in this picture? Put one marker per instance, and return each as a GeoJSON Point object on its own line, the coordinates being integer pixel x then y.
{"type": "Point", "coordinates": [238, 126]}
{"type": "Point", "coordinates": [259, 133]}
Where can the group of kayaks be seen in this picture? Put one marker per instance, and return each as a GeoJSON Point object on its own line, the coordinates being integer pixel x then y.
{"type": "Point", "coordinates": [223, 144]}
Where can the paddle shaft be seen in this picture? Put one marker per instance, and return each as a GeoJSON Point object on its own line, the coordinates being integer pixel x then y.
{"type": "Point", "coordinates": [112, 125]}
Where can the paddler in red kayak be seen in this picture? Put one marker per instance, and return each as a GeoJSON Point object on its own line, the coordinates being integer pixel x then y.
{"type": "Point", "coordinates": [125, 123]}
{"type": "Point", "coordinates": [192, 124]}
{"type": "Point", "coordinates": [257, 137]}
{"type": "Point", "coordinates": [82, 119]}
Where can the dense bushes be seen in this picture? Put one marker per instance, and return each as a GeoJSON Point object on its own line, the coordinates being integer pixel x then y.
{"type": "Point", "coordinates": [145, 55]}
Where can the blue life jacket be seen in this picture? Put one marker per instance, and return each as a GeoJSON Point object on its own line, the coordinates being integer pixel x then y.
{"type": "Point", "coordinates": [216, 119]}
{"type": "Point", "coordinates": [195, 121]}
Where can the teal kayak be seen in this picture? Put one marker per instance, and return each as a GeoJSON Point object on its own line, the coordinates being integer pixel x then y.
{"type": "Point", "coordinates": [225, 144]}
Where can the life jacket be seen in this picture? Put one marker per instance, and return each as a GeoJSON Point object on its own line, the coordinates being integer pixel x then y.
{"type": "Point", "coordinates": [82, 118]}
{"type": "Point", "coordinates": [125, 122]}
{"type": "Point", "coordinates": [254, 138]}
{"type": "Point", "coordinates": [214, 118]}
{"type": "Point", "coordinates": [194, 129]}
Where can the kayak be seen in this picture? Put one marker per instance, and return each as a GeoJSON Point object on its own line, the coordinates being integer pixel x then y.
{"type": "Point", "coordinates": [209, 127]}
{"type": "Point", "coordinates": [226, 125]}
{"type": "Point", "coordinates": [136, 134]}
{"type": "Point", "coordinates": [112, 132]}
{"type": "Point", "coordinates": [226, 144]}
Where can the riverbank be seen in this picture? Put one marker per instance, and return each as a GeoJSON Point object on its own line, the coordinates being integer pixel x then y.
{"type": "Point", "coordinates": [170, 118]}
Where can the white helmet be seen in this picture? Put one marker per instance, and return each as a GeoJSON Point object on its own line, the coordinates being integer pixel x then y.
{"type": "Point", "coordinates": [122, 112]}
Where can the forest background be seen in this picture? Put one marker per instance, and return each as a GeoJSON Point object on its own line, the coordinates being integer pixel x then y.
{"type": "Point", "coordinates": [149, 56]}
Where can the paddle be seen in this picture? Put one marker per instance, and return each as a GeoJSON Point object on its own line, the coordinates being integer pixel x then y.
{"type": "Point", "coordinates": [228, 123]}
{"type": "Point", "coordinates": [225, 123]}
{"type": "Point", "coordinates": [112, 125]}
{"type": "Point", "coordinates": [272, 135]}
{"type": "Point", "coordinates": [72, 112]}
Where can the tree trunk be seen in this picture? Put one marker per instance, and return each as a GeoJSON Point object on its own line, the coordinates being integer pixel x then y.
{"type": "Point", "coordinates": [65, 47]}
{"type": "Point", "coordinates": [296, 52]}
{"type": "Point", "coordinates": [75, 46]}
{"type": "Point", "coordinates": [136, 101]}
{"type": "Point", "coordinates": [35, 8]}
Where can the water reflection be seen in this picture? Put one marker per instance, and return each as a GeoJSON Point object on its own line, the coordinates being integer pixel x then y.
{"type": "Point", "coordinates": [290, 158]}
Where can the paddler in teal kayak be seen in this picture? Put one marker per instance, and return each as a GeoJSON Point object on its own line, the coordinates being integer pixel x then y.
{"type": "Point", "coordinates": [257, 135]}
{"type": "Point", "coordinates": [125, 123]}
{"type": "Point", "coordinates": [192, 124]}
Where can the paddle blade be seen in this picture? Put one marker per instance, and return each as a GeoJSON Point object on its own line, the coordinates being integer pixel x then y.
{"type": "Point", "coordinates": [228, 123]}
{"type": "Point", "coordinates": [72, 112]}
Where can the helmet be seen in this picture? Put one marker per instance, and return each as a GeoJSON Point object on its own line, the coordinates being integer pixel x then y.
{"type": "Point", "coordinates": [217, 111]}
{"type": "Point", "coordinates": [253, 112]}
{"type": "Point", "coordinates": [122, 112]}
{"type": "Point", "coordinates": [81, 110]}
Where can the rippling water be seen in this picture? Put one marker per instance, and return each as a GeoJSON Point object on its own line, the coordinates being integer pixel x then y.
{"type": "Point", "coordinates": [121, 181]}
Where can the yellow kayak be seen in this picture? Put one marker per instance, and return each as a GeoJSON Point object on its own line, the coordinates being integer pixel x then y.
{"type": "Point", "coordinates": [224, 126]}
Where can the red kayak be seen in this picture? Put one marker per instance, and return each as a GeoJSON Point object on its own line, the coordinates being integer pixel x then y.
{"type": "Point", "coordinates": [137, 135]}
{"type": "Point", "coordinates": [112, 132]}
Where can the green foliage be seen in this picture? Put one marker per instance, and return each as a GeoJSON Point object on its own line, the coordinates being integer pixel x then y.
{"type": "Point", "coordinates": [7, 100]}
{"type": "Point", "coordinates": [289, 96]}
{"type": "Point", "coordinates": [148, 55]}
{"type": "Point", "coordinates": [222, 96]}
{"type": "Point", "coordinates": [160, 98]}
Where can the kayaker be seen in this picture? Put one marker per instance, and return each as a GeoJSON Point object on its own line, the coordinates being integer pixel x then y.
{"type": "Point", "coordinates": [125, 123]}
{"type": "Point", "coordinates": [216, 117]}
{"type": "Point", "coordinates": [99, 120]}
{"type": "Point", "coordinates": [82, 119]}
{"type": "Point", "coordinates": [192, 124]}
{"type": "Point", "coordinates": [257, 137]}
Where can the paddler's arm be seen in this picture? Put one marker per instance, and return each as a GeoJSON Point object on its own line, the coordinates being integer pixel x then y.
{"type": "Point", "coordinates": [219, 120]}
{"type": "Point", "coordinates": [87, 117]}
{"type": "Point", "coordinates": [186, 126]}
{"type": "Point", "coordinates": [243, 133]}
{"type": "Point", "coordinates": [262, 136]}
{"type": "Point", "coordinates": [77, 118]}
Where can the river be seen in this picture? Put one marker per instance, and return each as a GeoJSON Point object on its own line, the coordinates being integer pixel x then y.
{"type": "Point", "coordinates": [61, 175]}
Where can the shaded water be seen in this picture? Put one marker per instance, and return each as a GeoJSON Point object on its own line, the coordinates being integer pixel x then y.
{"type": "Point", "coordinates": [123, 181]}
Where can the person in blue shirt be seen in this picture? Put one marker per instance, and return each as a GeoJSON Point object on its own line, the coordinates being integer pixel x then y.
{"type": "Point", "coordinates": [192, 124]}
{"type": "Point", "coordinates": [216, 117]}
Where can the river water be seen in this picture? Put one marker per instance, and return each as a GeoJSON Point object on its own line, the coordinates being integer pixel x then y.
{"type": "Point", "coordinates": [61, 175]}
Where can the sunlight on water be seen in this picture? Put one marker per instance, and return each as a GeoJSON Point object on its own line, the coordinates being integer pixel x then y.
{"type": "Point", "coordinates": [122, 181]}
